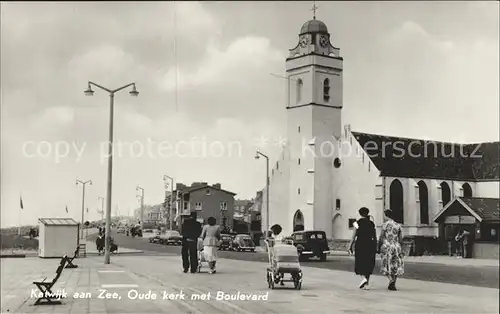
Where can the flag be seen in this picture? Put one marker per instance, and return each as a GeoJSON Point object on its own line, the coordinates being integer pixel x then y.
{"type": "Point", "coordinates": [67, 208]}
{"type": "Point", "coordinates": [22, 202]}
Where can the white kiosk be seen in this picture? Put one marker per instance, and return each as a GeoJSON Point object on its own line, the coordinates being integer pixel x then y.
{"type": "Point", "coordinates": [57, 237]}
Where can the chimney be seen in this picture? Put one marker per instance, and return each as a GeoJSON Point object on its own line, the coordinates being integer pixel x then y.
{"type": "Point", "coordinates": [217, 185]}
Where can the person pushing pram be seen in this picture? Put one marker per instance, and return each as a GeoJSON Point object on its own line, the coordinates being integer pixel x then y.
{"type": "Point", "coordinates": [283, 259]}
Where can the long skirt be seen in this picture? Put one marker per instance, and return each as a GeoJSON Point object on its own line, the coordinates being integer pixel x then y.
{"type": "Point", "coordinates": [364, 261]}
{"type": "Point", "coordinates": [392, 259]}
{"type": "Point", "coordinates": [210, 253]}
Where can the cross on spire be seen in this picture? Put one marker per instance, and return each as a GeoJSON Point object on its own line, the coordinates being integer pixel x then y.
{"type": "Point", "coordinates": [314, 8]}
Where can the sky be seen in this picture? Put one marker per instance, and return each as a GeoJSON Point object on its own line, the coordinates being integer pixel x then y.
{"type": "Point", "coordinates": [411, 69]}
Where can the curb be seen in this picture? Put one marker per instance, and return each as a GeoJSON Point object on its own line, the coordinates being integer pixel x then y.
{"type": "Point", "coordinates": [119, 253]}
{"type": "Point", "coordinates": [13, 256]}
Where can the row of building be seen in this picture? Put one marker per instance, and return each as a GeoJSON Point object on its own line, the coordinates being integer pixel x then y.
{"type": "Point", "coordinates": [206, 200]}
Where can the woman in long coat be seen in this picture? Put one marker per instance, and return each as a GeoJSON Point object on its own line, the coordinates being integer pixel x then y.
{"type": "Point", "coordinates": [211, 236]}
{"type": "Point", "coordinates": [390, 244]}
{"type": "Point", "coordinates": [364, 241]}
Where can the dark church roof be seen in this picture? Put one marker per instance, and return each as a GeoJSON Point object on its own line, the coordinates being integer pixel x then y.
{"type": "Point", "coordinates": [416, 158]}
{"type": "Point", "coordinates": [487, 208]}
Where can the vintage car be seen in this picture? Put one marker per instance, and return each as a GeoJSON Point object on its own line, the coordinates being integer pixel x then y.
{"type": "Point", "coordinates": [242, 242]}
{"type": "Point", "coordinates": [171, 237]}
{"type": "Point", "coordinates": [155, 239]}
{"type": "Point", "coordinates": [225, 242]}
{"type": "Point", "coordinates": [311, 243]}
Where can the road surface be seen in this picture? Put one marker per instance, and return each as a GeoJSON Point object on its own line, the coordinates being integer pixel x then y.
{"type": "Point", "coordinates": [131, 282]}
{"type": "Point", "coordinates": [484, 276]}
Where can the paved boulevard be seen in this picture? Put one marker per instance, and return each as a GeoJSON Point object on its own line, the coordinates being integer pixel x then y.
{"type": "Point", "coordinates": [323, 290]}
{"type": "Point", "coordinates": [483, 276]}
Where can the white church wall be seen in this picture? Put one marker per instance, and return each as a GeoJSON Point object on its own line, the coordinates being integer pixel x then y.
{"type": "Point", "coordinates": [487, 189]}
{"type": "Point", "coordinates": [327, 122]}
{"type": "Point", "coordinates": [306, 95]}
{"type": "Point", "coordinates": [356, 183]}
{"type": "Point", "coordinates": [336, 88]}
{"type": "Point", "coordinates": [412, 223]}
{"type": "Point", "coordinates": [278, 199]}
{"type": "Point", "coordinates": [299, 135]}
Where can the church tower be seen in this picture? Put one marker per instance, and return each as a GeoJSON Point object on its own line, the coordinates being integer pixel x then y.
{"type": "Point", "coordinates": [314, 73]}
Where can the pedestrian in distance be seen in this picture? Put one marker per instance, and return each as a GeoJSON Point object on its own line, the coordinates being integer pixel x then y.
{"type": "Point", "coordinates": [211, 236]}
{"type": "Point", "coordinates": [364, 245]}
{"type": "Point", "coordinates": [191, 231]}
{"type": "Point", "coordinates": [391, 250]}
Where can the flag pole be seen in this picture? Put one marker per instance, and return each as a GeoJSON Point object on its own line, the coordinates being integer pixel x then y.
{"type": "Point", "coordinates": [19, 216]}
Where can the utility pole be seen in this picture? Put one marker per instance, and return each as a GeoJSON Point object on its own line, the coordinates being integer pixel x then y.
{"type": "Point", "coordinates": [267, 189]}
{"type": "Point", "coordinates": [102, 207]}
{"type": "Point", "coordinates": [170, 212]}
{"type": "Point", "coordinates": [142, 205]}
{"type": "Point", "coordinates": [83, 202]}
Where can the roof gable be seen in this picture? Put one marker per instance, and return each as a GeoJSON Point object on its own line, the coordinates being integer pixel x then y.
{"type": "Point", "coordinates": [211, 187]}
{"type": "Point", "coordinates": [416, 158]}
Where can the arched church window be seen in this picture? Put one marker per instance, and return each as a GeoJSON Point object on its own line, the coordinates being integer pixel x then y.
{"type": "Point", "coordinates": [445, 193]}
{"type": "Point", "coordinates": [467, 190]}
{"type": "Point", "coordinates": [299, 91]}
{"type": "Point", "coordinates": [326, 90]}
{"type": "Point", "coordinates": [397, 200]}
{"type": "Point", "coordinates": [423, 194]}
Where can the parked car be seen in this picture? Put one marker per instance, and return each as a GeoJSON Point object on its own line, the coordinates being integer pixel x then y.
{"type": "Point", "coordinates": [242, 242]}
{"type": "Point", "coordinates": [171, 237]}
{"type": "Point", "coordinates": [311, 243]}
{"type": "Point", "coordinates": [226, 240]}
{"type": "Point", "coordinates": [155, 239]}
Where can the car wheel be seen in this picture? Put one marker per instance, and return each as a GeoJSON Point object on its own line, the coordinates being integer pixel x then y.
{"type": "Point", "coordinates": [322, 257]}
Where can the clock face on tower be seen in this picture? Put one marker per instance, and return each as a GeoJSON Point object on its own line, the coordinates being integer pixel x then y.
{"type": "Point", "coordinates": [303, 41]}
{"type": "Point", "coordinates": [323, 41]}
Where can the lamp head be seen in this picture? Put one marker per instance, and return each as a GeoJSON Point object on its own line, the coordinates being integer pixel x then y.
{"type": "Point", "coordinates": [257, 155]}
{"type": "Point", "coordinates": [134, 92]}
{"type": "Point", "coordinates": [89, 91]}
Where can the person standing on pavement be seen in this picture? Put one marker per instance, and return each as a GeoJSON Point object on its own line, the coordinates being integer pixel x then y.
{"type": "Point", "coordinates": [364, 243]}
{"type": "Point", "coordinates": [191, 231]}
{"type": "Point", "coordinates": [465, 243]}
{"type": "Point", "coordinates": [211, 236]}
{"type": "Point", "coordinates": [458, 244]}
{"type": "Point", "coordinates": [390, 248]}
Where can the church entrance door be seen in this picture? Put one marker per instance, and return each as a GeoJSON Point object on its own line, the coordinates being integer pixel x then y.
{"type": "Point", "coordinates": [298, 221]}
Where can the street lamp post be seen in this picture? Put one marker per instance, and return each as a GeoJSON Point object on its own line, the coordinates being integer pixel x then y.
{"type": "Point", "coordinates": [170, 217]}
{"type": "Point", "coordinates": [102, 207]}
{"type": "Point", "coordinates": [257, 155]}
{"type": "Point", "coordinates": [138, 188]}
{"type": "Point", "coordinates": [83, 203]}
{"type": "Point", "coordinates": [90, 92]}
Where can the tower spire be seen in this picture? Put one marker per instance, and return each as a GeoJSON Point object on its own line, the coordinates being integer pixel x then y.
{"type": "Point", "coordinates": [314, 8]}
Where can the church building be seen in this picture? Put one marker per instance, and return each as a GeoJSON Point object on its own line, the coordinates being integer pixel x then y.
{"type": "Point", "coordinates": [326, 171]}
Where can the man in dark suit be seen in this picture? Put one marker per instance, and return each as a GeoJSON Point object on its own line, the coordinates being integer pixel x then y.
{"type": "Point", "coordinates": [191, 231]}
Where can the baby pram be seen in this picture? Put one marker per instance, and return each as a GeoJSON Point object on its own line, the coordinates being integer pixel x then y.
{"type": "Point", "coordinates": [283, 259]}
{"type": "Point", "coordinates": [201, 256]}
